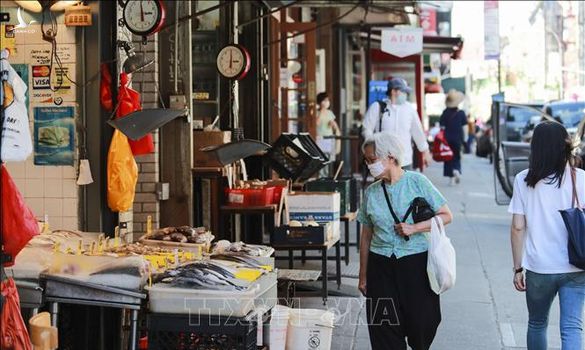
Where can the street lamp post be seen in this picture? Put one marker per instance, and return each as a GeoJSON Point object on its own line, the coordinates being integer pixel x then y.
{"type": "Point", "coordinates": [561, 53]}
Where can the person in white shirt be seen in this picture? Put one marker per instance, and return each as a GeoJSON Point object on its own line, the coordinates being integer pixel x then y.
{"type": "Point", "coordinates": [540, 239]}
{"type": "Point", "coordinates": [396, 116]}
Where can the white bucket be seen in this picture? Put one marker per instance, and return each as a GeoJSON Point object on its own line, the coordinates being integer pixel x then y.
{"type": "Point", "coordinates": [278, 327]}
{"type": "Point", "coordinates": [309, 329]}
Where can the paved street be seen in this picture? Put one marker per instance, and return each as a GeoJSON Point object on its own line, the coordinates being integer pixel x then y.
{"type": "Point", "coordinates": [483, 311]}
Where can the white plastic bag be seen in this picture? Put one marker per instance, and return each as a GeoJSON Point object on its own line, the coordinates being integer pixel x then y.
{"type": "Point", "coordinates": [16, 138]}
{"type": "Point", "coordinates": [441, 263]}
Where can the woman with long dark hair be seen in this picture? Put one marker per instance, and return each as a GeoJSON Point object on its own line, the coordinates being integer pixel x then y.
{"type": "Point", "coordinates": [540, 239]}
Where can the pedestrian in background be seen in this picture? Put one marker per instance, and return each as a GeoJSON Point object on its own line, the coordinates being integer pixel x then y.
{"type": "Point", "coordinates": [326, 126]}
{"type": "Point", "coordinates": [452, 121]}
{"type": "Point", "coordinates": [396, 116]}
{"type": "Point", "coordinates": [400, 303]}
{"type": "Point", "coordinates": [540, 238]}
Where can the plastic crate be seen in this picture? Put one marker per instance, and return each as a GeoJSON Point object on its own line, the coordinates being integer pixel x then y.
{"type": "Point", "coordinates": [277, 194]}
{"type": "Point", "coordinates": [201, 332]}
{"type": "Point", "coordinates": [249, 196]}
{"type": "Point", "coordinates": [296, 156]}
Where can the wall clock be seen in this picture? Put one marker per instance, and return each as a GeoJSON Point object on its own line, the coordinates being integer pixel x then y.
{"type": "Point", "coordinates": [233, 61]}
{"type": "Point", "coordinates": [143, 17]}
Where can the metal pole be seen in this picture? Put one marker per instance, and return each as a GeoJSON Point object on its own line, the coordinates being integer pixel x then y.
{"type": "Point", "coordinates": [499, 75]}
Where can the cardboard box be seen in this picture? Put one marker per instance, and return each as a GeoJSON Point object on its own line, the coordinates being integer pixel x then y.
{"type": "Point", "coordinates": [306, 235]}
{"type": "Point", "coordinates": [208, 138]}
{"type": "Point", "coordinates": [343, 186]}
{"type": "Point", "coordinates": [322, 207]}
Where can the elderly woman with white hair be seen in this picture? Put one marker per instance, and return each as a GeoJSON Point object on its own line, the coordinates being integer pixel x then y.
{"type": "Point", "coordinates": [400, 304]}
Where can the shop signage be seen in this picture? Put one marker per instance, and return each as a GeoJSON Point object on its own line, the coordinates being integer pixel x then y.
{"type": "Point", "coordinates": [491, 34]}
{"type": "Point", "coordinates": [402, 42]}
{"type": "Point", "coordinates": [428, 21]}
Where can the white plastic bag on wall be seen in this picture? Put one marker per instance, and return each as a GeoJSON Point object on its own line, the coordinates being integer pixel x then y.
{"type": "Point", "coordinates": [16, 138]}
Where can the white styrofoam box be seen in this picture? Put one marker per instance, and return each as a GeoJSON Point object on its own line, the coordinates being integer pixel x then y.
{"type": "Point", "coordinates": [261, 293]}
{"type": "Point", "coordinates": [318, 206]}
{"type": "Point", "coordinates": [322, 206]}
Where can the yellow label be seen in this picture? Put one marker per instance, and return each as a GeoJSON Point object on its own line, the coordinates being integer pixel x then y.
{"type": "Point", "coordinates": [149, 224]}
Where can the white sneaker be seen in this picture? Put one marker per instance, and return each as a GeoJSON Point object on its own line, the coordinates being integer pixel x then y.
{"type": "Point", "coordinates": [457, 176]}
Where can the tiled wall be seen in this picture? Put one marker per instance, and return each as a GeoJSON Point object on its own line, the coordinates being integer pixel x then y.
{"type": "Point", "coordinates": [48, 190]}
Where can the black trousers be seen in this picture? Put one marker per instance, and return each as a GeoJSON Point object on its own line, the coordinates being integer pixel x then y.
{"type": "Point", "coordinates": [400, 304]}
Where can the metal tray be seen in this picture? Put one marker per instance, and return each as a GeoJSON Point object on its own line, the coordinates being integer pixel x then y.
{"type": "Point", "coordinates": [58, 288]}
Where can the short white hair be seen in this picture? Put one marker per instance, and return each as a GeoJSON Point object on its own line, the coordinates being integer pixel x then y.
{"type": "Point", "coordinates": [385, 144]}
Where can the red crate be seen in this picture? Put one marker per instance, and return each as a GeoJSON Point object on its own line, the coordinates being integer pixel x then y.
{"type": "Point", "coordinates": [277, 194]}
{"type": "Point", "coordinates": [247, 197]}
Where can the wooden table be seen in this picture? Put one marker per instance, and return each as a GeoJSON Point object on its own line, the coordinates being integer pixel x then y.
{"type": "Point", "coordinates": [319, 247]}
{"type": "Point", "coordinates": [346, 219]}
{"type": "Point", "coordinates": [269, 210]}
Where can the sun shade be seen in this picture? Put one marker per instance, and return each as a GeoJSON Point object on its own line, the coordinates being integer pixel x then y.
{"type": "Point", "coordinates": [234, 151]}
{"type": "Point", "coordinates": [137, 124]}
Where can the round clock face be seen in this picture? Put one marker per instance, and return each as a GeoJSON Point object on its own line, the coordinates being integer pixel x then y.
{"type": "Point", "coordinates": [143, 17]}
{"type": "Point", "coordinates": [233, 62]}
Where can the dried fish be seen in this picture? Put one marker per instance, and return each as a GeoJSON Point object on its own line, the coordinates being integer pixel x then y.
{"type": "Point", "coordinates": [178, 237]}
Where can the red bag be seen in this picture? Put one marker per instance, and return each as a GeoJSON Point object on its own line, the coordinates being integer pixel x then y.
{"type": "Point", "coordinates": [441, 150]}
{"type": "Point", "coordinates": [106, 88]}
{"type": "Point", "coordinates": [13, 332]}
{"type": "Point", "coordinates": [19, 224]}
{"type": "Point", "coordinates": [130, 102]}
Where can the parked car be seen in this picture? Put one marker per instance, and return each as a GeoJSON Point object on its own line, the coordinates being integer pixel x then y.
{"type": "Point", "coordinates": [511, 157]}
{"type": "Point", "coordinates": [517, 119]}
{"type": "Point", "coordinates": [569, 114]}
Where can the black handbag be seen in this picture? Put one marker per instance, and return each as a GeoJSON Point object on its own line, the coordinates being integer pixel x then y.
{"type": "Point", "coordinates": [419, 208]}
{"type": "Point", "coordinates": [574, 219]}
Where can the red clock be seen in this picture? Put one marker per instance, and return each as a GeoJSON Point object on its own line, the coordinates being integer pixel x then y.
{"type": "Point", "coordinates": [233, 61]}
{"type": "Point", "coordinates": [144, 17]}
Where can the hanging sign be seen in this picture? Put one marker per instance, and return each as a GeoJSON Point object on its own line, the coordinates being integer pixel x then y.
{"type": "Point", "coordinates": [491, 34]}
{"type": "Point", "coordinates": [402, 42]}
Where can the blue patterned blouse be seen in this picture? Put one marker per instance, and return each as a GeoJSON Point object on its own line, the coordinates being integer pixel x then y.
{"type": "Point", "coordinates": [375, 213]}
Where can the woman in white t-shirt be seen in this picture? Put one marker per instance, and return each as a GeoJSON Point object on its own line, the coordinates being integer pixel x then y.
{"type": "Point", "coordinates": [540, 239]}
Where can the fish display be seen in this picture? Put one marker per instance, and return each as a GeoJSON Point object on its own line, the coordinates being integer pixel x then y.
{"type": "Point", "coordinates": [224, 246]}
{"type": "Point", "coordinates": [201, 275]}
{"type": "Point", "coordinates": [182, 234]}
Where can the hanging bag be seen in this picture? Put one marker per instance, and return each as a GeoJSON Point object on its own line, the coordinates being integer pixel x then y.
{"type": "Point", "coordinates": [16, 138]}
{"type": "Point", "coordinates": [19, 223]}
{"type": "Point", "coordinates": [441, 150]}
{"type": "Point", "coordinates": [442, 261]}
{"type": "Point", "coordinates": [419, 208]}
{"type": "Point", "coordinates": [574, 220]}
{"type": "Point", "coordinates": [122, 174]}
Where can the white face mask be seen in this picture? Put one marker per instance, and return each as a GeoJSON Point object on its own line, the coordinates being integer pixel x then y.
{"type": "Point", "coordinates": [401, 99]}
{"type": "Point", "coordinates": [376, 168]}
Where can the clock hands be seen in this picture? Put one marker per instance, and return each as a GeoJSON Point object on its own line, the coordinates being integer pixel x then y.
{"type": "Point", "coordinates": [141, 11]}
{"type": "Point", "coordinates": [231, 59]}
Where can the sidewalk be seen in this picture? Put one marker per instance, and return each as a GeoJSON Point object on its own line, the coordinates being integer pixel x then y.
{"type": "Point", "coordinates": [483, 311]}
